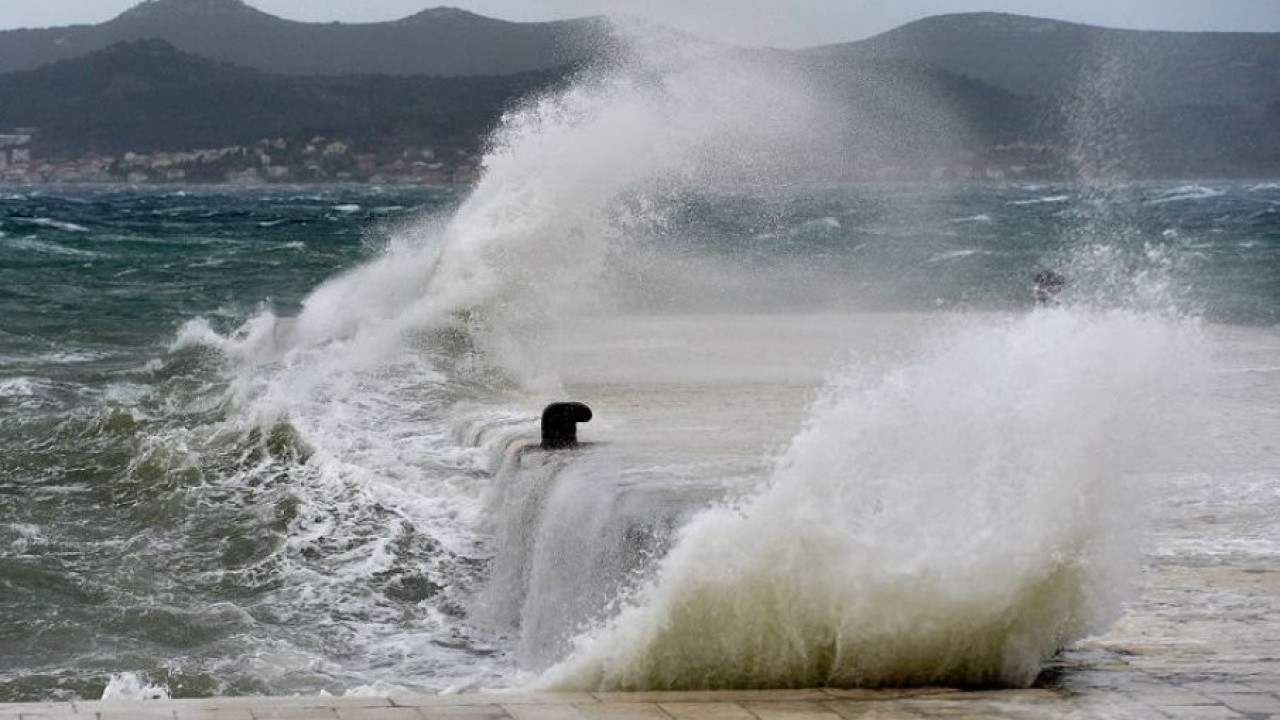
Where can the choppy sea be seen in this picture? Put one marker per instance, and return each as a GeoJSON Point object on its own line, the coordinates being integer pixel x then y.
{"type": "Point", "coordinates": [234, 445]}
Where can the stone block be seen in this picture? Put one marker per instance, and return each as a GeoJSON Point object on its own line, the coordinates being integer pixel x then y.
{"type": "Point", "coordinates": [1251, 703]}
{"type": "Point", "coordinates": [127, 709]}
{"type": "Point", "coordinates": [1175, 697]}
{"type": "Point", "coordinates": [887, 694]}
{"type": "Point", "coordinates": [1118, 711]}
{"type": "Point", "coordinates": [543, 712]}
{"type": "Point", "coordinates": [379, 713]}
{"type": "Point", "coordinates": [622, 711]}
{"type": "Point", "coordinates": [879, 710]}
{"type": "Point", "coordinates": [706, 711]}
{"type": "Point", "coordinates": [954, 708]}
{"type": "Point", "coordinates": [794, 710]}
{"type": "Point", "coordinates": [462, 712]}
{"type": "Point", "coordinates": [715, 696]}
{"type": "Point", "coordinates": [490, 698]}
{"type": "Point", "coordinates": [194, 710]}
{"type": "Point", "coordinates": [1264, 683]}
{"type": "Point", "coordinates": [149, 714]}
{"type": "Point", "coordinates": [1202, 712]}
{"type": "Point", "coordinates": [1030, 695]}
{"type": "Point", "coordinates": [1216, 687]}
{"type": "Point", "coordinates": [295, 713]}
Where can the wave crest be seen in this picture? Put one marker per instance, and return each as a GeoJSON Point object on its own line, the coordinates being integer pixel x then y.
{"type": "Point", "coordinates": [956, 521]}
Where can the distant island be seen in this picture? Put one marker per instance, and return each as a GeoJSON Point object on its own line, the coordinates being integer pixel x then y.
{"type": "Point", "coordinates": [211, 91]}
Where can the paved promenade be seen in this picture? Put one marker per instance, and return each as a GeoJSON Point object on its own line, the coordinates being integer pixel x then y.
{"type": "Point", "coordinates": [1141, 695]}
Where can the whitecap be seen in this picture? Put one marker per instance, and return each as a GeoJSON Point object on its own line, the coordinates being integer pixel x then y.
{"type": "Point", "coordinates": [1260, 370]}
{"type": "Point", "coordinates": [68, 357]}
{"type": "Point", "coordinates": [1049, 199]}
{"type": "Point", "coordinates": [377, 689]}
{"type": "Point", "coordinates": [195, 333]}
{"type": "Point", "coordinates": [954, 255]}
{"type": "Point", "coordinates": [31, 244]}
{"type": "Point", "coordinates": [1187, 193]}
{"type": "Point", "coordinates": [23, 387]}
{"type": "Point", "coordinates": [54, 224]}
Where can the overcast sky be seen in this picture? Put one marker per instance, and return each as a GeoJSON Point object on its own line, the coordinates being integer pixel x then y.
{"type": "Point", "coordinates": [783, 23]}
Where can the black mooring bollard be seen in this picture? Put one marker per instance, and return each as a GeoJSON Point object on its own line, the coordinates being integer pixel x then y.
{"type": "Point", "coordinates": [560, 424]}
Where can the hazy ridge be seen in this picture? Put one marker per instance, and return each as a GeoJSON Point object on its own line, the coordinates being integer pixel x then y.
{"type": "Point", "coordinates": [439, 41]}
{"type": "Point", "coordinates": [173, 75]}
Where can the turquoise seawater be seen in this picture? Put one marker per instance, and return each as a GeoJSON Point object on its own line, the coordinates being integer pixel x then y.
{"type": "Point", "coordinates": [162, 514]}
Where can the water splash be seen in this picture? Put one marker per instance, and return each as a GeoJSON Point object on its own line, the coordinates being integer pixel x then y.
{"type": "Point", "coordinates": [955, 521]}
{"type": "Point", "coordinates": [368, 380]}
{"type": "Point", "coordinates": [558, 190]}
{"type": "Point", "coordinates": [129, 686]}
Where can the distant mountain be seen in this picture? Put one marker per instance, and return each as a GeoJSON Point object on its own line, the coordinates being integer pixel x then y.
{"type": "Point", "coordinates": [1149, 103]}
{"type": "Point", "coordinates": [1036, 57]}
{"type": "Point", "coordinates": [441, 41]}
{"type": "Point", "coordinates": [977, 95]}
{"type": "Point", "coordinates": [912, 114]}
{"type": "Point", "coordinates": [147, 95]}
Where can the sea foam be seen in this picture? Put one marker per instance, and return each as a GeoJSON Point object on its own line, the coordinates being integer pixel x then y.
{"type": "Point", "coordinates": [955, 521]}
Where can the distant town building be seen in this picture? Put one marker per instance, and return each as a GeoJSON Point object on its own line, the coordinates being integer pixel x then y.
{"type": "Point", "coordinates": [13, 147]}
{"type": "Point", "coordinates": [266, 160]}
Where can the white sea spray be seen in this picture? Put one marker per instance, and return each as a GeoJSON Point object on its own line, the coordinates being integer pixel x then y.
{"type": "Point", "coordinates": [957, 520]}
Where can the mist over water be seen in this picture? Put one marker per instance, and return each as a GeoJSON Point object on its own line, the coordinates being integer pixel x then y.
{"type": "Point", "coordinates": [566, 177]}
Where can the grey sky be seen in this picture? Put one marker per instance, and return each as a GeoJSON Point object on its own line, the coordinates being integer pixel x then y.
{"type": "Point", "coordinates": [787, 23]}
